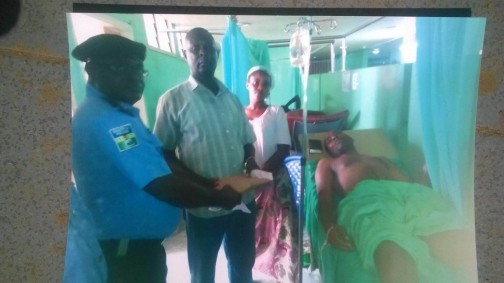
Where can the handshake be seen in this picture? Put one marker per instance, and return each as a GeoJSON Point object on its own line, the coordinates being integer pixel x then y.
{"type": "Point", "coordinates": [231, 188]}
{"type": "Point", "coordinates": [229, 197]}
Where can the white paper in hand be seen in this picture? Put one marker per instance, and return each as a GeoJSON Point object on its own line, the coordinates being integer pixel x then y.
{"type": "Point", "coordinates": [261, 174]}
{"type": "Point", "coordinates": [242, 207]}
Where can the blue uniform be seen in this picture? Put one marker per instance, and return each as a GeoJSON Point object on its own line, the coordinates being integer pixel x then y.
{"type": "Point", "coordinates": [84, 260]}
{"type": "Point", "coordinates": [114, 156]}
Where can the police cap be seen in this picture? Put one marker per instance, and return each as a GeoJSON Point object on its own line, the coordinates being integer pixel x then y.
{"type": "Point", "coordinates": [105, 46]}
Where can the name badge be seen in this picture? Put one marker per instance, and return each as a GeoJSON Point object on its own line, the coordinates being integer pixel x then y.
{"type": "Point", "coordinates": [124, 137]}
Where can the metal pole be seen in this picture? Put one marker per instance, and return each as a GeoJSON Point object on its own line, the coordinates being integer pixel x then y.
{"type": "Point", "coordinates": [301, 217]}
{"type": "Point", "coordinates": [304, 77]}
{"type": "Point", "coordinates": [343, 54]}
{"type": "Point", "coordinates": [304, 72]}
{"type": "Point", "coordinates": [333, 56]}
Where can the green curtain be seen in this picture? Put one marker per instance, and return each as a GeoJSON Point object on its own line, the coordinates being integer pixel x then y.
{"type": "Point", "coordinates": [259, 53]}
{"type": "Point", "coordinates": [448, 62]}
{"type": "Point", "coordinates": [238, 55]}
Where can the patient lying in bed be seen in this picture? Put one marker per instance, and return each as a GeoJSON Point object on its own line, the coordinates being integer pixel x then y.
{"type": "Point", "coordinates": [399, 231]}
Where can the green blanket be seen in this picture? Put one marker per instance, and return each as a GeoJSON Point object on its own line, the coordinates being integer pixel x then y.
{"type": "Point", "coordinates": [334, 265]}
{"type": "Point", "coordinates": [375, 211]}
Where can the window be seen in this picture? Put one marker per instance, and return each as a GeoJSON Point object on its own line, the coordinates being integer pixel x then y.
{"type": "Point", "coordinates": [157, 29]}
{"type": "Point", "coordinates": [179, 38]}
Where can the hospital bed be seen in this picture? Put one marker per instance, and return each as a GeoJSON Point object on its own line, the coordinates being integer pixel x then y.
{"type": "Point", "coordinates": [367, 141]}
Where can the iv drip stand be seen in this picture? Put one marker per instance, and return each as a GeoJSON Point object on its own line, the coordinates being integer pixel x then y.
{"type": "Point", "coordinates": [305, 70]}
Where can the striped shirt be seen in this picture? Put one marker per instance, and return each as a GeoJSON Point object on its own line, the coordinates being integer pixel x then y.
{"type": "Point", "coordinates": [208, 131]}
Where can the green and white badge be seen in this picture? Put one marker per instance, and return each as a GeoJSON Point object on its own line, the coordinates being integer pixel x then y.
{"type": "Point", "coordinates": [124, 137]}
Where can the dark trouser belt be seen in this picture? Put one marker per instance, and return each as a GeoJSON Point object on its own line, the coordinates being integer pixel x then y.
{"type": "Point", "coordinates": [121, 246]}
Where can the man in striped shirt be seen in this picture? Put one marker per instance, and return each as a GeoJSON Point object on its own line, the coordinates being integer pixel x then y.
{"type": "Point", "coordinates": [206, 124]}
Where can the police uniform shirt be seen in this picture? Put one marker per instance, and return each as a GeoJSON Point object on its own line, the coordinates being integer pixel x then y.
{"type": "Point", "coordinates": [114, 156]}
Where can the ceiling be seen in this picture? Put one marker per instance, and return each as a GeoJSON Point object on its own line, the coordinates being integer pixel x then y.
{"type": "Point", "coordinates": [360, 32]}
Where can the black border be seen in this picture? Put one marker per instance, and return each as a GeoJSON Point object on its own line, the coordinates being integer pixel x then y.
{"type": "Point", "coordinates": [164, 9]}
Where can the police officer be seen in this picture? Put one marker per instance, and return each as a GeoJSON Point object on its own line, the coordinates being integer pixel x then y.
{"type": "Point", "coordinates": [119, 167]}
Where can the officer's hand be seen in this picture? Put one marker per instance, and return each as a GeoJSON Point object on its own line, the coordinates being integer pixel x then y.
{"type": "Point", "coordinates": [230, 198]}
{"type": "Point", "coordinates": [210, 182]}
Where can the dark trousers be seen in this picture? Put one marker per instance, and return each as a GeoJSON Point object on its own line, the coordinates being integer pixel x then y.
{"type": "Point", "coordinates": [204, 238]}
{"type": "Point", "coordinates": [142, 261]}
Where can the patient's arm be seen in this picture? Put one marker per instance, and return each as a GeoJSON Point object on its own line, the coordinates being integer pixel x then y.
{"type": "Point", "coordinates": [325, 180]}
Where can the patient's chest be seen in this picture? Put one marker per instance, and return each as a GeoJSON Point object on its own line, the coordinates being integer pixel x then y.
{"type": "Point", "coordinates": [353, 169]}
{"type": "Point", "coordinates": [351, 173]}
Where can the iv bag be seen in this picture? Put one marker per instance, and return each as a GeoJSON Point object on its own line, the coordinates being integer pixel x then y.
{"type": "Point", "coordinates": [299, 47]}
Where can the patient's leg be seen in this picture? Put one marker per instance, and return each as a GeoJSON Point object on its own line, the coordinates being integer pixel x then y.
{"type": "Point", "coordinates": [455, 248]}
{"type": "Point", "coordinates": [394, 264]}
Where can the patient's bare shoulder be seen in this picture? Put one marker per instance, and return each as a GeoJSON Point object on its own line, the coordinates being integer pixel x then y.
{"type": "Point", "coordinates": [323, 162]}
{"type": "Point", "coordinates": [324, 174]}
{"type": "Point", "coordinates": [332, 161]}
{"type": "Point", "coordinates": [324, 169]}
{"type": "Point", "coordinates": [327, 175]}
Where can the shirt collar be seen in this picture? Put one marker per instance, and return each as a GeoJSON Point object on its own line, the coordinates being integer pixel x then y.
{"type": "Point", "coordinates": [92, 92]}
{"type": "Point", "coordinates": [194, 84]}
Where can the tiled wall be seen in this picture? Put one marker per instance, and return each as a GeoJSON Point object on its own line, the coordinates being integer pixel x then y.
{"type": "Point", "coordinates": [35, 132]}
